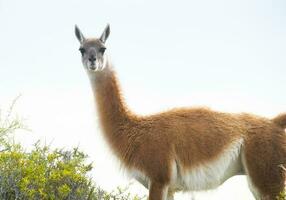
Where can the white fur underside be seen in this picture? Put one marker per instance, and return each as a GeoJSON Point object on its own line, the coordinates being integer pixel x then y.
{"type": "Point", "coordinates": [205, 176]}
{"type": "Point", "coordinates": [211, 174]}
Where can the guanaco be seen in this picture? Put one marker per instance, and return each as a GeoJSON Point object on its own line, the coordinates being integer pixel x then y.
{"type": "Point", "coordinates": [184, 149]}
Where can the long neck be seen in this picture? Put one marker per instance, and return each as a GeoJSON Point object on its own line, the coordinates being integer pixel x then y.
{"type": "Point", "coordinates": [113, 114]}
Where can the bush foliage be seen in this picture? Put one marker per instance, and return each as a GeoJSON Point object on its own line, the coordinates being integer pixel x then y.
{"type": "Point", "coordinates": [43, 173]}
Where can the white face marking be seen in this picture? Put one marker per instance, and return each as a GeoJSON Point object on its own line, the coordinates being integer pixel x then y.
{"type": "Point", "coordinates": [93, 58]}
{"type": "Point", "coordinates": [92, 50]}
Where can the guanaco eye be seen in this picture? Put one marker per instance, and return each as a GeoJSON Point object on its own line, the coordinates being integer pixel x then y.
{"type": "Point", "coordinates": [82, 51]}
{"type": "Point", "coordinates": [102, 50]}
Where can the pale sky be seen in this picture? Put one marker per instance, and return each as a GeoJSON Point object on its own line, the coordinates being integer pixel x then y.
{"type": "Point", "coordinates": [224, 54]}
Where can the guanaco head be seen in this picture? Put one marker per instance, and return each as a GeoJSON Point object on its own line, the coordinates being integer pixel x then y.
{"type": "Point", "coordinates": [92, 50]}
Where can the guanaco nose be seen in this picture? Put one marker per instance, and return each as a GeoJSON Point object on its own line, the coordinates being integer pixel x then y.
{"type": "Point", "coordinates": [92, 59]}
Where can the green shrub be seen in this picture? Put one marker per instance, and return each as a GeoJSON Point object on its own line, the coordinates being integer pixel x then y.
{"type": "Point", "coordinates": [43, 173]}
{"type": "Point", "coordinates": [282, 196]}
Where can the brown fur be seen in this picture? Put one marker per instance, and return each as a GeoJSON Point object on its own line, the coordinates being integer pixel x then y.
{"type": "Point", "coordinates": [191, 135]}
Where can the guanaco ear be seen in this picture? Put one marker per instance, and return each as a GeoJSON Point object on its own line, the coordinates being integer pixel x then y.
{"type": "Point", "coordinates": [105, 34]}
{"type": "Point", "coordinates": [79, 35]}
